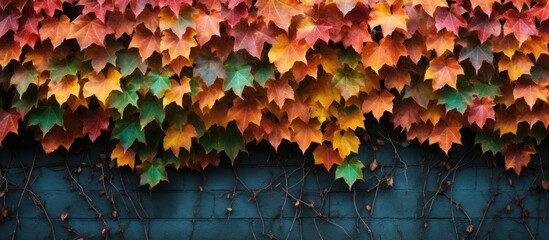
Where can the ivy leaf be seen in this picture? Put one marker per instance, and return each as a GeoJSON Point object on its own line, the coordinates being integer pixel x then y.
{"type": "Point", "coordinates": [177, 138]}
{"type": "Point", "coordinates": [451, 19]}
{"type": "Point", "coordinates": [145, 41]}
{"type": "Point", "coordinates": [311, 30]}
{"type": "Point", "coordinates": [245, 111]}
{"type": "Point", "coordinates": [123, 157]}
{"type": "Point", "coordinates": [286, 52]}
{"type": "Point", "coordinates": [445, 134]}
{"type": "Point", "coordinates": [517, 156]}
{"type": "Point", "coordinates": [60, 68]}
{"type": "Point", "coordinates": [388, 17]}
{"type": "Point", "coordinates": [209, 69]}
{"type": "Point", "coordinates": [484, 26]}
{"type": "Point", "coordinates": [350, 171]}
{"type": "Point", "coordinates": [327, 156]}
{"type": "Point", "coordinates": [63, 136]}
{"type": "Point", "coordinates": [160, 82]}
{"type": "Point", "coordinates": [443, 71]}
{"type": "Point", "coordinates": [176, 91]}
{"type": "Point", "coordinates": [238, 76]}
{"type": "Point", "coordinates": [530, 92]}
{"type": "Point", "coordinates": [489, 141]}
{"type": "Point", "coordinates": [178, 46]}
{"type": "Point", "coordinates": [46, 115]}
{"type": "Point", "coordinates": [378, 103]}
{"type": "Point", "coordinates": [481, 110]}
{"type": "Point", "coordinates": [251, 37]}
{"type": "Point", "coordinates": [455, 98]}
{"type": "Point", "coordinates": [518, 65]}
{"type": "Point", "coordinates": [177, 23]}
{"type": "Point", "coordinates": [207, 25]}
{"type": "Point", "coordinates": [279, 12]}
{"type": "Point", "coordinates": [128, 61]}
{"type": "Point", "coordinates": [101, 86]}
{"type": "Point", "coordinates": [121, 99]}
{"type": "Point", "coordinates": [128, 131]}
{"type": "Point", "coordinates": [227, 139]}
{"type": "Point", "coordinates": [62, 90]}
{"type": "Point", "coordinates": [101, 56]}
{"type": "Point", "coordinates": [152, 173]}
{"type": "Point", "coordinates": [150, 108]}
{"type": "Point", "coordinates": [88, 31]}
{"type": "Point", "coordinates": [94, 121]}
{"type": "Point", "coordinates": [348, 81]}
{"type": "Point", "coordinates": [8, 123]}
{"type": "Point", "coordinates": [345, 143]}
{"type": "Point", "coordinates": [519, 24]}
{"type": "Point", "coordinates": [430, 6]}
{"type": "Point", "coordinates": [305, 133]}
{"type": "Point", "coordinates": [23, 76]}
{"type": "Point", "coordinates": [55, 29]}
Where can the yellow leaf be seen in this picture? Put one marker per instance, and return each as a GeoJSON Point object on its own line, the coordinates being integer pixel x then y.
{"type": "Point", "coordinates": [346, 143]}
{"type": "Point", "coordinates": [123, 158]}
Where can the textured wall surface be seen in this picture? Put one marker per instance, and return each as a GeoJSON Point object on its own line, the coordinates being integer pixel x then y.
{"type": "Point", "coordinates": [270, 195]}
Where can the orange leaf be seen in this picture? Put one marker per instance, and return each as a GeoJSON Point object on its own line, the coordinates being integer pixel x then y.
{"type": "Point", "coordinates": [177, 138]}
{"type": "Point", "coordinates": [345, 143]}
{"type": "Point", "coordinates": [327, 156]}
{"type": "Point", "coordinates": [305, 133]}
{"type": "Point", "coordinates": [378, 103]}
{"type": "Point", "coordinates": [286, 52]}
{"type": "Point", "coordinates": [276, 131]}
{"type": "Point", "coordinates": [207, 25]}
{"type": "Point", "coordinates": [388, 17]}
{"type": "Point", "coordinates": [443, 71]}
{"type": "Point", "coordinates": [55, 29]}
{"type": "Point", "coordinates": [405, 114]}
{"type": "Point", "coordinates": [145, 41]}
{"type": "Point", "coordinates": [245, 111]}
{"type": "Point", "coordinates": [176, 91]}
{"type": "Point", "coordinates": [517, 156]}
{"type": "Point", "coordinates": [123, 157]}
{"type": "Point", "coordinates": [8, 123]}
{"type": "Point", "coordinates": [280, 12]}
{"type": "Point", "coordinates": [178, 46]}
{"type": "Point", "coordinates": [279, 90]}
{"type": "Point", "coordinates": [518, 65]}
{"type": "Point", "coordinates": [101, 86]}
{"type": "Point", "coordinates": [88, 31]}
{"type": "Point", "coordinates": [446, 134]}
{"type": "Point", "coordinates": [530, 92]}
{"type": "Point", "coordinates": [64, 89]}
{"type": "Point", "coordinates": [506, 122]}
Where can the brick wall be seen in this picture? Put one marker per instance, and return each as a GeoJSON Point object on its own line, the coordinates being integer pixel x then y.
{"type": "Point", "coordinates": [432, 196]}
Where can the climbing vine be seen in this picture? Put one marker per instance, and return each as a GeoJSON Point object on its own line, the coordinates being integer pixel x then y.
{"type": "Point", "coordinates": [181, 82]}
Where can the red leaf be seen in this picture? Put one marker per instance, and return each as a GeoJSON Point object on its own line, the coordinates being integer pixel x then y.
{"type": "Point", "coordinates": [517, 156]}
{"type": "Point", "coordinates": [481, 110]}
{"type": "Point", "coordinates": [8, 123]}
{"type": "Point", "coordinates": [94, 121]}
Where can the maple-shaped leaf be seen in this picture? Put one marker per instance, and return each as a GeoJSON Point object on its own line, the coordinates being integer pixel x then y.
{"type": "Point", "coordinates": [55, 29]}
{"type": "Point", "coordinates": [296, 108]}
{"type": "Point", "coordinates": [420, 91]}
{"type": "Point", "coordinates": [128, 131]}
{"type": "Point", "coordinates": [152, 173]}
{"type": "Point", "coordinates": [530, 92]}
{"type": "Point", "coordinates": [98, 8]}
{"type": "Point", "coordinates": [176, 46]}
{"type": "Point", "coordinates": [245, 111]}
{"type": "Point", "coordinates": [348, 81]}
{"type": "Point", "coordinates": [263, 72]}
{"type": "Point", "coordinates": [433, 113]}
{"type": "Point", "coordinates": [23, 76]}
{"type": "Point", "coordinates": [9, 21]}
{"type": "Point", "coordinates": [350, 171]}
{"type": "Point", "coordinates": [445, 134]}
{"type": "Point", "coordinates": [507, 44]}
{"type": "Point", "coordinates": [176, 91]}
{"type": "Point", "coordinates": [481, 110]}
{"type": "Point", "coordinates": [177, 138]}
{"type": "Point", "coordinates": [440, 42]}
{"type": "Point", "coordinates": [484, 25]}
{"type": "Point", "coordinates": [209, 69]}
{"type": "Point", "coordinates": [179, 23]}
{"type": "Point", "coordinates": [279, 90]}
{"type": "Point", "coordinates": [395, 78]}
{"type": "Point", "coordinates": [94, 121]}
{"type": "Point", "coordinates": [28, 34]}
{"type": "Point", "coordinates": [345, 143]}
{"type": "Point", "coordinates": [535, 45]}
{"type": "Point", "coordinates": [150, 109]}
{"type": "Point", "coordinates": [46, 115]}
{"type": "Point", "coordinates": [539, 11]}
{"type": "Point", "coordinates": [311, 30]}
{"type": "Point", "coordinates": [356, 36]}
{"type": "Point", "coordinates": [405, 114]}
{"type": "Point", "coordinates": [8, 123]}
{"type": "Point", "coordinates": [145, 41]}
{"type": "Point", "coordinates": [443, 71]}
{"type": "Point", "coordinates": [160, 82]}
{"type": "Point", "coordinates": [517, 156]}
{"type": "Point", "coordinates": [378, 103]}
{"type": "Point", "coordinates": [59, 68]}
{"type": "Point", "coordinates": [130, 60]}
{"type": "Point", "coordinates": [477, 53]}
{"type": "Point", "coordinates": [101, 56]}
{"type": "Point", "coordinates": [9, 51]}
{"type": "Point", "coordinates": [23, 103]}
{"type": "Point", "coordinates": [151, 18]}
{"type": "Point", "coordinates": [422, 131]}
{"type": "Point", "coordinates": [455, 98]}
{"type": "Point", "coordinates": [388, 17]}
{"type": "Point", "coordinates": [387, 53]}
{"type": "Point", "coordinates": [88, 31]}
{"type": "Point", "coordinates": [305, 133]}
{"type": "Point", "coordinates": [227, 139]}
{"type": "Point", "coordinates": [430, 6]}
{"type": "Point", "coordinates": [519, 24]}
{"type": "Point", "coordinates": [350, 117]}
{"type": "Point", "coordinates": [207, 96]}
{"type": "Point", "coordinates": [63, 136]}
{"type": "Point", "coordinates": [489, 141]}
{"type": "Point", "coordinates": [238, 75]}
{"type": "Point", "coordinates": [327, 156]}
{"type": "Point", "coordinates": [174, 5]}
{"type": "Point", "coordinates": [123, 158]}
{"type": "Point", "coordinates": [451, 19]}
{"type": "Point", "coordinates": [121, 22]}
{"type": "Point", "coordinates": [286, 52]}
{"type": "Point", "coordinates": [64, 89]}
{"type": "Point", "coordinates": [345, 6]}
{"type": "Point", "coordinates": [517, 66]}
{"type": "Point", "coordinates": [207, 25]}
{"type": "Point", "coordinates": [276, 131]}
{"type": "Point", "coordinates": [484, 5]}
{"type": "Point", "coordinates": [101, 86]}
{"type": "Point", "coordinates": [251, 37]}
{"type": "Point", "coordinates": [121, 99]}
{"type": "Point", "coordinates": [280, 12]}
{"type": "Point", "coordinates": [506, 122]}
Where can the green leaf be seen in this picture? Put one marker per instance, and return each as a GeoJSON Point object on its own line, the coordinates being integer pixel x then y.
{"type": "Point", "coordinates": [209, 69]}
{"type": "Point", "coordinates": [128, 61]}
{"type": "Point", "coordinates": [127, 131]}
{"type": "Point", "coordinates": [238, 76]}
{"type": "Point", "coordinates": [23, 104]}
{"type": "Point", "coordinates": [263, 72]}
{"type": "Point", "coordinates": [348, 81]}
{"type": "Point", "coordinates": [539, 132]}
{"type": "Point", "coordinates": [23, 76]}
{"type": "Point", "coordinates": [476, 52]}
{"type": "Point", "coordinates": [489, 141]}
{"type": "Point", "coordinates": [487, 90]}
{"type": "Point", "coordinates": [350, 57]}
{"type": "Point", "coordinates": [160, 82]}
{"type": "Point", "coordinates": [229, 140]}
{"type": "Point", "coordinates": [150, 108]}
{"type": "Point", "coordinates": [350, 171]}
{"type": "Point", "coordinates": [152, 172]}
{"type": "Point", "coordinates": [46, 115]}
{"type": "Point", "coordinates": [455, 99]}
{"type": "Point", "coordinates": [120, 100]}
{"type": "Point", "coordinates": [63, 67]}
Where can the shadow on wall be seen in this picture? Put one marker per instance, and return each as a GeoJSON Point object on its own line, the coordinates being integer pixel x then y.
{"type": "Point", "coordinates": [415, 192]}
